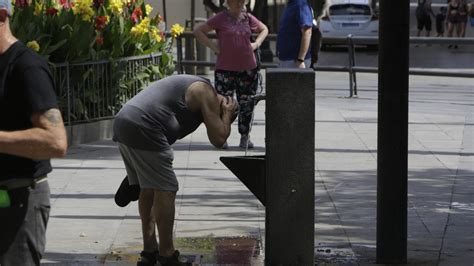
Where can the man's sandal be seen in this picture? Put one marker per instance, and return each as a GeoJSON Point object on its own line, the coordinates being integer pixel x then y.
{"type": "Point", "coordinates": [148, 258]}
{"type": "Point", "coordinates": [126, 193]}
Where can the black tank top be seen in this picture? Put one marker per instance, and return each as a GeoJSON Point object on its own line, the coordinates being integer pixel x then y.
{"type": "Point", "coordinates": [157, 116]}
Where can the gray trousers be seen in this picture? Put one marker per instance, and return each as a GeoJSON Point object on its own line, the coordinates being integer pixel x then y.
{"type": "Point", "coordinates": [23, 226]}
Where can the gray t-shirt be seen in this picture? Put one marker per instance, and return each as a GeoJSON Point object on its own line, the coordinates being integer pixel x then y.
{"type": "Point", "coordinates": [157, 116]}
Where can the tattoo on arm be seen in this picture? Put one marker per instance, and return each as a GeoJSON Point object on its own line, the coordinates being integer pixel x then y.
{"type": "Point", "coordinates": [54, 117]}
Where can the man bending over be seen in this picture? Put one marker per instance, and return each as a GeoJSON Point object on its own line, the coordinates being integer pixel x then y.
{"type": "Point", "coordinates": [145, 127]}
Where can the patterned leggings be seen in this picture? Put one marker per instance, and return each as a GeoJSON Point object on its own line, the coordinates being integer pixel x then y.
{"type": "Point", "coordinates": [244, 83]}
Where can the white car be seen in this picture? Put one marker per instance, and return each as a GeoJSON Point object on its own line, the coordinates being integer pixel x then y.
{"type": "Point", "coordinates": [344, 17]}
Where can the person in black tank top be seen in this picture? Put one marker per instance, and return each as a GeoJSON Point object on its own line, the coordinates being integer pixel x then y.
{"type": "Point", "coordinates": [146, 126]}
{"type": "Point", "coordinates": [456, 21]}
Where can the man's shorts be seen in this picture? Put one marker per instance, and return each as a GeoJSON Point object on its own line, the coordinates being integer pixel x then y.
{"type": "Point", "coordinates": [424, 22]}
{"type": "Point", "coordinates": [150, 169]}
{"type": "Point", "coordinates": [23, 230]}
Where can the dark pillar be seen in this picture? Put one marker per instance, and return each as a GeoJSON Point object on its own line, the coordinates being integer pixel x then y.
{"type": "Point", "coordinates": [392, 156]}
{"type": "Point", "coordinates": [266, 52]}
{"type": "Point", "coordinates": [289, 135]}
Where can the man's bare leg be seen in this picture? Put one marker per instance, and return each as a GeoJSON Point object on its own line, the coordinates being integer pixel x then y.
{"type": "Point", "coordinates": [164, 211]}
{"type": "Point", "coordinates": [145, 207]}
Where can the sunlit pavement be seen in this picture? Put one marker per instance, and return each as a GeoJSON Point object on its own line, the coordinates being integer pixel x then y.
{"type": "Point", "coordinates": [87, 228]}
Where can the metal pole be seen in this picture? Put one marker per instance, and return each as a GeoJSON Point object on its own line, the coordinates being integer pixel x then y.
{"type": "Point", "coordinates": [350, 64]}
{"type": "Point", "coordinates": [354, 72]}
{"type": "Point", "coordinates": [193, 40]}
{"type": "Point", "coordinates": [164, 10]}
{"type": "Point", "coordinates": [193, 15]}
{"type": "Point", "coordinates": [69, 105]}
{"type": "Point", "coordinates": [179, 54]}
{"type": "Point", "coordinates": [392, 156]}
{"type": "Point", "coordinates": [275, 16]}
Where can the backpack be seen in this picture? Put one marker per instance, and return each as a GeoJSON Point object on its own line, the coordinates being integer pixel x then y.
{"type": "Point", "coordinates": [420, 11]}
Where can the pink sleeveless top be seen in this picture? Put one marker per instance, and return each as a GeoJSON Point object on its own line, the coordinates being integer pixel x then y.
{"type": "Point", "coordinates": [236, 53]}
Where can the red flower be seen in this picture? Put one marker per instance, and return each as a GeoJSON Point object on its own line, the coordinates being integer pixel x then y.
{"type": "Point", "coordinates": [136, 15]}
{"type": "Point", "coordinates": [21, 3]}
{"type": "Point", "coordinates": [65, 4]}
{"type": "Point", "coordinates": [99, 40]}
{"type": "Point", "coordinates": [52, 11]}
{"type": "Point", "coordinates": [129, 4]}
{"type": "Point", "coordinates": [100, 22]}
{"type": "Point", "coordinates": [98, 3]}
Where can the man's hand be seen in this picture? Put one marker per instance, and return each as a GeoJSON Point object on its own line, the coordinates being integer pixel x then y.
{"type": "Point", "coordinates": [229, 108]}
{"type": "Point", "coordinates": [300, 64]}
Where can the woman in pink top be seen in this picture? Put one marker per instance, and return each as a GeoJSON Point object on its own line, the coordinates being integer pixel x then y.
{"type": "Point", "coordinates": [236, 68]}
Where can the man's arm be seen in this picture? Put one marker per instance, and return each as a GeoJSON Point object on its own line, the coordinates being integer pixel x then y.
{"type": "Point", "coordinates": [218, 112]}
{"type": "Point", "coordinates": [47, 138]}
{"type": "Point", "coordinates": [304, 45]}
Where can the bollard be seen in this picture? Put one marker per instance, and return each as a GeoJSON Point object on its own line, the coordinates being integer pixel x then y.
{"type": "Point", "coordinates": [283, 179]}
{"type": "Point", "coordinates": [289, 134]}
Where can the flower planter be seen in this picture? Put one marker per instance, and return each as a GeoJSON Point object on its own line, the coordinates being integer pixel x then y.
{"type": "Point", "coordinates": [93, 91]}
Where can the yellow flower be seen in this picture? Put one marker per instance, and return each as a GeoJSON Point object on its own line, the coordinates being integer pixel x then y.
{"type": "Point", "coordinates": [33, 45]}
{"type": "Point", "coordinates": [116, 6]}
{"type": "Point", "coordinates": [38, 8]}
{"type": "Point", "coordinates": [84, 9]}
{"type": "Point", "coordinates": [155, 34]}
{"type": "Point", "coordinates": [141, 28]}
{"type": "Point", "coordinates": [148, 9]}
{"type": "Point", "coordinates": [13, 6]}
{"type": "Point", "coordinates": [56, 4]}
{"type": "Point", "coordinates": [176, 30]}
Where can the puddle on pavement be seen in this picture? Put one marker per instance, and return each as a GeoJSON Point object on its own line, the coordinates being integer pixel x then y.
{"type": "Point", "coordinates": [203, 250]}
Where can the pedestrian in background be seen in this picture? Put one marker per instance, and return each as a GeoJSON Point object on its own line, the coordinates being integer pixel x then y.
{"type": "Point", "coordinates": [236, 68]}
{"type": "Point", "coordinates": [457, 19]}
{"type": "Point", "coordinates": [463, 16]}
{"type": "Point", "coordinates": [31, 132]}
{"type": "Point", "coordinates": [423, 17]}
{"type": "Point", "coordinates": [441, 21]}
{"type": "Point", "coordinates": [294, 35]}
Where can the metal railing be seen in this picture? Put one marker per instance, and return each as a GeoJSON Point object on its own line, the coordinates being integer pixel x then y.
{"type": "Point", "coordinates": [352, 69]}
{"type": "Point", "coordinates": [96, 90]}
{"type": "Point", "coordinates": [350, 42]}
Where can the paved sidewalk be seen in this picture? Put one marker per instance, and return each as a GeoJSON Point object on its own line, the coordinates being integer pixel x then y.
{"type": "Point", "coordinates": [87, 228]}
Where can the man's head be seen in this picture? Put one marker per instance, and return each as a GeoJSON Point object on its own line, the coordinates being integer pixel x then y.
{"type": "Point", "coordinates": [227, 103]}
{"type": "Point", "coordinates": [5, 10]}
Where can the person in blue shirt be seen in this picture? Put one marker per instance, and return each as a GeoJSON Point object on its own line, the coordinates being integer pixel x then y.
{"type": "Point", "coordinates": [294, 35]}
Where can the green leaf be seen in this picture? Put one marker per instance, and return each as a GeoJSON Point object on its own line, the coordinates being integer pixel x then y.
{"type": "Point", "coordinates": [51, 49]}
